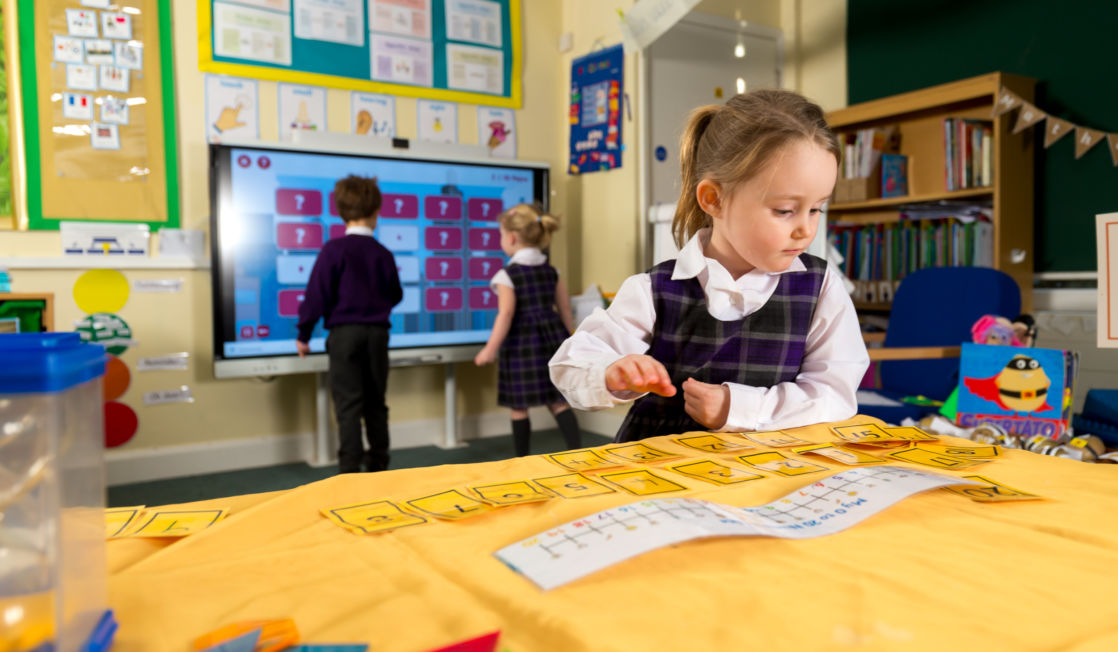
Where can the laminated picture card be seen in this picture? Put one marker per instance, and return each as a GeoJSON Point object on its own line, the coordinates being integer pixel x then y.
{"type": "Point", "coordinates": [1026, 391]}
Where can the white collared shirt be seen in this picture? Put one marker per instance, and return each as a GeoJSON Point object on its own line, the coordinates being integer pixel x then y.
{"type": "Point", "coordinates": [527, 256]}
{"type": "Point", "coordinates": [835, 358]}
{"type": "Point", "coordinates": [358, 230]}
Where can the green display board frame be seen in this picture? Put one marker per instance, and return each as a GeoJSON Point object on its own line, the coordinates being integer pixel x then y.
{"type": "Point", "coordinates": [163, 79]}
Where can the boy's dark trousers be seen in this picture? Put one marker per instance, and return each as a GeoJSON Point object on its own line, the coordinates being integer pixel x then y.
{"type": "Point", "coordinates": [358, 380]}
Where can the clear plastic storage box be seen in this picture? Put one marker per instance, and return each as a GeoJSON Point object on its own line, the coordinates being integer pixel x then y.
{"type": "Point", "coordinates": [52, 491]}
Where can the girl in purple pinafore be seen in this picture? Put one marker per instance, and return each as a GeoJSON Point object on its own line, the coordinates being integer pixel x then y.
{"type": "Point", "coordinates": [533, 319]}
{"type": "Point", "coordinates": [743, 330]}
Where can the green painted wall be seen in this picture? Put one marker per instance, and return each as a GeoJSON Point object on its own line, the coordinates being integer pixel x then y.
{"type": "Point", "coordinates": [1068, 47]}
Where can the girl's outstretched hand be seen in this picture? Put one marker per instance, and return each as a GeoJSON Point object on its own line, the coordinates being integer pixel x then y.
{"type": "Point", "coordinates": [707, 404]}
{"type": "Point", "coordinates": [639, 373]}
{"type": "Point", "coordinates": [485, 356]}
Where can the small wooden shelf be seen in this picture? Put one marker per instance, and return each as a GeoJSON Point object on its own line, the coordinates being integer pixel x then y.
{"type": "Point", "coordinates": [871, 306]}
{"type": "Point", "coordinates": [885, 202]}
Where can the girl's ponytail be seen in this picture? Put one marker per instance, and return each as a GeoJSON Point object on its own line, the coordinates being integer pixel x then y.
{"type": "Point", "coordinates": [689, 216]}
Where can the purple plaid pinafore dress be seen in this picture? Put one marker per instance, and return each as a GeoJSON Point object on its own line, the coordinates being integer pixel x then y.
{"type": "Point", "coordinates": [763, 349]}
{"type": "Point", "coordinates": [536, 332]}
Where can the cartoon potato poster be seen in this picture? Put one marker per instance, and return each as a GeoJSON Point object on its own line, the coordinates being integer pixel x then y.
{"type": "Point", "coordinates": [1024, 390]}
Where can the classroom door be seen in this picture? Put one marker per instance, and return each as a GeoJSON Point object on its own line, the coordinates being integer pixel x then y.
{"type": "Point", "coordinates": [693, 64]}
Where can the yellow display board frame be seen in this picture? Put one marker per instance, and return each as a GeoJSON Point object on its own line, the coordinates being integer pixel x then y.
{"type": "Point", "coordinates": [514, 100]}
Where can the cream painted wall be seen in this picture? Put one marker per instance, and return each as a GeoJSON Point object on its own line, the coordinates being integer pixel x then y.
{"type": "Point", "coordinates": [165, 323]}
{"type": "Point", "coordinates": [606, 203]}
{"type": "Point", "coordinates": [598, 243]}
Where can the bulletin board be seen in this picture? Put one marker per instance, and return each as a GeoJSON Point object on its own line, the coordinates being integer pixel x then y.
{"type": "Point", "coordinates": [98, 111]}
{"type": "Point", "coordinates": [465, 51]}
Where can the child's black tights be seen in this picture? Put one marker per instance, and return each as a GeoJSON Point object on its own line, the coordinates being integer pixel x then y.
{"type": "Point", "coordinates": [521, 433]}
{"type": "Point", "coordinates": [568, 426]}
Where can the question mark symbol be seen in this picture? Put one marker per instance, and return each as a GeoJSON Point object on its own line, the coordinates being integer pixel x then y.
{"type": "Point", "coordinates": [485, 238]}
{"type": "Point", "coordinates": [443, 235]}
{"type": "Point", "coordinates": [485, 266]}
{"type": "Point", "coordinates": [444, 296]}
{"type": "Point", "coordinates": [300, 233]}
{"type": "Point", "coordinates": [443, 265]}
{"type": "Point", "coordinates": [485, 209]}
{"type": "Point", "coordinates": [485, 295]}
{"type": "Point", "coordinates": [299, 199]}
{"type": "Point", "coordinates": [399, 205]}
{"type": "Point", "coordinates": [442, 207]}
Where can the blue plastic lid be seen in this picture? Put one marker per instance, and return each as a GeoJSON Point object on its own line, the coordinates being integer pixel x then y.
{"type": "Point", "coordinates": [47, 362]}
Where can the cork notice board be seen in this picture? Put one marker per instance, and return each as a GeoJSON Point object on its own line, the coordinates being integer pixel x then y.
{"type": "Point", "coordinates": [98, 99]}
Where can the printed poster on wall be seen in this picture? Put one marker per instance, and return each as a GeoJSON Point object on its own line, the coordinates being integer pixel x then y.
{"type": "Point", "coordinates": [403, 17]}
{"type": "Point", "coordinates": [301, 108]}
{"type": "Point", "coordinates": [438, 121]}
{"type": "Point", "coordinates": [373, 114]}
{"type": "Point", "coordinates": [336, 21]}
{"type": "Point", "coordinates": [496, 128]}
{"type": "Point", "coordinates": [231, 109]}
{"type": "Point", "coordinates": [595, 111]}
{"type": "Point", "coordinates": [253, 34]}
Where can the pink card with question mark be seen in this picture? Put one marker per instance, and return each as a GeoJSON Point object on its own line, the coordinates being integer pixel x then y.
{"type": "Point", "coordinates": [484, 209]}
{"type": "Point", "coordinates": [483, 269]}
{"type": "Point", "coordinates": [287, 302]}
{"type": "Point", "coordinates": [298, 235]}
{"type": "Point", "coordinates": [442, 207]}
{"type": "Point", "coordinates": [485, 239]}
{"type": "Point", "coordinates": [442, 238]}
{"type": "Point", "coordinates": [482, 299]}
{"type": "Point", "coordinates": [293, 201]}
{"type": "Point", "coordinates": [444, 268]}
{"type": "Point", "coordinates": [440, 299]}
{"type": "Point", "coordinates": [399, 206]}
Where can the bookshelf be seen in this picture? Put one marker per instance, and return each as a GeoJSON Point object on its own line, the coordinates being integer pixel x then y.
{"type": "Point", "coordinates": [919, 116]}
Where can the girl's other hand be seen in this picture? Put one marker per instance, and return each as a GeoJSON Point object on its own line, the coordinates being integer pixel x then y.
{"type": "Point", "coordinates": [485, 356]}
{"type": "Point", "coordinates": [303, 348]}
{"type": "Point", "coordinates": [707, 404]}
{"type": "Point", "coordinates": [639, 373]}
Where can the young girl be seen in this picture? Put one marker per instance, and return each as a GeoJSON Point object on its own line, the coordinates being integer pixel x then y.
{"type": "Point", "coordinates": [528, 329]}
{"type": "Point", "coordinates": [743, 330]}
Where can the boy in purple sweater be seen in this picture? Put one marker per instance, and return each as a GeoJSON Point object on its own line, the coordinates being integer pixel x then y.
{"type": "Point", "coordinates": [353, 286]}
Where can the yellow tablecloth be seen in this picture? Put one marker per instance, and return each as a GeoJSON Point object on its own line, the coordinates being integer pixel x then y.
{"type": "Point", "coordinates": [935, 571]}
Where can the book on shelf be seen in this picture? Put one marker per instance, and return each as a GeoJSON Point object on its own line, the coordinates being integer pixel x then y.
{"type": "Point", "coordinates": [923, 236]}
{"type": "Point", "coordinates": [968, 153]}
{"type": "Point", "coordinates": [894, 175]}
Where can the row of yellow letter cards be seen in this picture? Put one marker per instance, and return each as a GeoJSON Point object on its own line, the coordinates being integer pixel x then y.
{"type": "Point", "coordinates": [138, 521]}
{"type": "Point", "coordinates": [610, 466]}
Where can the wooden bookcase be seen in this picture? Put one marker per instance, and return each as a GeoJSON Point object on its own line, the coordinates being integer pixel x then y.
{"type": "Point", "coordinates": [919, 116]}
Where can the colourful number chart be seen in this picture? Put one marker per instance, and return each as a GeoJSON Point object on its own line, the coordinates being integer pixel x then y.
{"type": "Point", "coordinates": [565, 553]}
{"type": "Point", "coordinates": [439, 219]}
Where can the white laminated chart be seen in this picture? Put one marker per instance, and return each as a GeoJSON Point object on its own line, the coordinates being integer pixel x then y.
{"type": "Point", "coordinates": [581, 547]}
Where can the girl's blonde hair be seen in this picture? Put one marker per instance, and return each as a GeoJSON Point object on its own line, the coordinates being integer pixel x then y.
{"type": "Point", "coordinates": [530, 223]}
{"type": "Point", "coordinates": [731, 143]}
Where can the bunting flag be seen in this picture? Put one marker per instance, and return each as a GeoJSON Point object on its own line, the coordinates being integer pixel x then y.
{"type": "Point", "coordinates": [1055, 128]}
{"type": "Point", "coordinates": [1007, 101]}
{"type": "Point", "coordinates": [1085, 139]}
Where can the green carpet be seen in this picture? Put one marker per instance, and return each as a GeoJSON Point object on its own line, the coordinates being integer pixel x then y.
{"type": "Point", "coordinates": [288, 476]}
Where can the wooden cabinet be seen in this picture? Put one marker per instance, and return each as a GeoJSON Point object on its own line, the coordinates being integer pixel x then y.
{"type": "Point", "coordinates": [919, 117]}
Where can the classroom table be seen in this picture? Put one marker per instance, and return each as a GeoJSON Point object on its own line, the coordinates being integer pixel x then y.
{"type": "Point", "coordinates": [934, 571]}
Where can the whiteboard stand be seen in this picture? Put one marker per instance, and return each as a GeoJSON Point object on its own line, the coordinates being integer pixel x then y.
{"type": "Point", "coordinates": [450, 430]}
{"type": "Point", "coordinates": [325, 435]}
